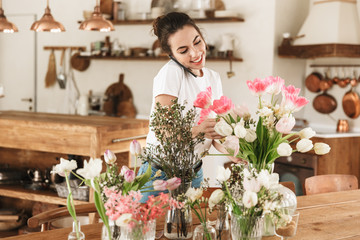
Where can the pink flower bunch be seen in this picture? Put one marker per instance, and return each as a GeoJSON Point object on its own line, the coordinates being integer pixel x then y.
{"type": "Point", "coordinates": [220, 106]}
{"type": "Point", "coordinates": [119, 204]}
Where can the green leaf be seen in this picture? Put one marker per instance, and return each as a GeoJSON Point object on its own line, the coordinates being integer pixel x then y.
{"type": "Point", "coordinates": [70, 207]}
{"type": "Point", "coordinates": [100, 208]}
{"type": "Point", "coordinates": [145, 177]}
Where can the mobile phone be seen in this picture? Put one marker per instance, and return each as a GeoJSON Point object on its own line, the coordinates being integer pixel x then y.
{"type": "Point", "coordinates": [185, 68]}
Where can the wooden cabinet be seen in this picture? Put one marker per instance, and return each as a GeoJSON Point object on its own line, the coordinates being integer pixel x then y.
{"type": "Point", "coordinates": [63, 134]}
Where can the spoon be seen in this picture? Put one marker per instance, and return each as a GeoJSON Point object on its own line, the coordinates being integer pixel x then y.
{"type": "Point", "coordinates": [61, 77]}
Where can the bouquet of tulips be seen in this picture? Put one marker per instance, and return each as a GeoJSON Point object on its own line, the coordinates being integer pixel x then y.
{"type": "Point", "coordinates": [261, 139]}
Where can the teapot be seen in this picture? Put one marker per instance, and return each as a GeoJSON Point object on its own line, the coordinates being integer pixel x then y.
{"type": "Point", "coordinates": [35, 175]}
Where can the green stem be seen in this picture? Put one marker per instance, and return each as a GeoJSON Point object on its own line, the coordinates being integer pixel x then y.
{"type": "Point", "coordinates": [72, 206]}
{"type": "Point", "coordinates": [135, 164]}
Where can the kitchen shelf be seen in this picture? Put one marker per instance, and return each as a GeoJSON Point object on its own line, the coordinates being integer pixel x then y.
{"type": "Point", "coordinates": [197, 20]}
{"type": "Point", "coordinates": [319, 50]}
{"type": "Point", "coordinates": [162, 58]}
{"type": "Point", "coordinates": [34, 195]}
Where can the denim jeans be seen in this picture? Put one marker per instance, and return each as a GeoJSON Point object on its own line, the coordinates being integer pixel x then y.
{"type": "Point", "coordinates": [195, 183]}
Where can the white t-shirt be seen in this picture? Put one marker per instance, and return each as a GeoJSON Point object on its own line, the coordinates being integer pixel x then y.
{"type": "Point", "coordinates": [173, 80]}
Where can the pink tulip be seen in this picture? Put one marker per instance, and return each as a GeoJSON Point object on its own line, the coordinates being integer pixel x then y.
{"type": "Point", "coordinates": [240, 110]}
{"type": "Point", "coordinates": [294, 102]}
{"type": "Point", "coordinates": [173, 183]}
{"type": "Point", "coordinates": [160, 185]}
{"type": "Point", "coordinates": [222, 106]}
{"type": "Point", "coordinates": [110, 157]}
{"type": "Point", "coordinates": [129, 176]}
{"type": "Point", "coordinates": [135, 148]}
{"type": "Point", "coordinates": [285, 124]}
{"type": "Point", "coordinates": [203, 99]}
{"type": "Point", "coordinates": [124, 169]}
{"type": "Point", "coordinates": [258, 86]}
{"type": "Point", "coordinates": [290, 90]}
{"type": "Point", "coordinates": [232, 142]}
{"type": "Point", "coordinates": [204, 113]}
{"type": "Point", "coordinates": [275, 85]}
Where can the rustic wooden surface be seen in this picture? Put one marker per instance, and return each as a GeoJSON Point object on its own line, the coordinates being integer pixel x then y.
{"type": "Point", "coordinates": [322, 217]}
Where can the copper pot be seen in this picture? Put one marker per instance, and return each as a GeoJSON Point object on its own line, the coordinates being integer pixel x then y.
{"type": "Point", "coordinates": [312, 82]}
{"type": "Point", "coordinates": [342, 126]}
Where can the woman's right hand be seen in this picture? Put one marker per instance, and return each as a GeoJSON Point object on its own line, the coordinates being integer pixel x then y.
{"type": "Point", "coordinates": [207, 127]}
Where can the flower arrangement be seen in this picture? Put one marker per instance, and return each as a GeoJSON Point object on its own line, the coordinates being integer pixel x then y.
{"type": "Point", "coordinates": [194, 199]}
{"type": "Point", "coordinates": [262, 139]}
{"type": "Point", "coordinates": [129, 213]}
{"type": "Point", "coordinates": [175, 152]}
{"type": "Point", "coordinates": [64, 168]}
{"type": "Point", "coordinates": [250, 194]}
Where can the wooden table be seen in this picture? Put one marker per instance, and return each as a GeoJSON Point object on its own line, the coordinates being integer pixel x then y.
{"type": "Point", "coordinates": [327, 216]}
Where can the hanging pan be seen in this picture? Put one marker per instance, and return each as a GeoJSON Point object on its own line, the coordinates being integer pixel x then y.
{"type": "Point", "coordinates": [351, 101]}
{"type": "Point", "coordinates": [325, 103]}
{"type": "Point", "coordinates": [312, 82]}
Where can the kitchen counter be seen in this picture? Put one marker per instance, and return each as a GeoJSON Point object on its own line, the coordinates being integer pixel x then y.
{"type": "Point", "coordinates": [69, 134]}
{"type": "Point", "coordinates": [330, 132]}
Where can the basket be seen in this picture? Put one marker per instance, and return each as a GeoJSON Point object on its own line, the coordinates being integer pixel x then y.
{"type": "Point", "coordinates": [78, 192]}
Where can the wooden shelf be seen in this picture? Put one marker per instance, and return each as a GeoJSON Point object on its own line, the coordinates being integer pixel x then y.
{"type": "Point", "coordinates": [163, 58]}
{"type": "Point", "coordinates": [319, 51]}
{"type": "Point", "coordinates": [197, 20]}
{"type": "Point", "coordinates": [33, 195]}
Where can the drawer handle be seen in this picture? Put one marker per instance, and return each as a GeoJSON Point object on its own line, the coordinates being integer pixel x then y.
{"type": "Point", "coordinates": [127, 139]}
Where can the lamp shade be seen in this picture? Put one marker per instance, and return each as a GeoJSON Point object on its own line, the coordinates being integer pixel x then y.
{"type": "Point", "coordinates": [5, 25]}
{"type": "Point", "coordinates": [97, 22]}
{"type": "Point", "coordinates": [47, 23]}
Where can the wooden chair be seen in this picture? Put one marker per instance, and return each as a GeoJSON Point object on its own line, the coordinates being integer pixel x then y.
{"type": "Point", "coordinates": [330, 183]}
{"type": "Point", "coordinates": [45, 218]}
{"type": "Point", "coordinates": [290, 185]}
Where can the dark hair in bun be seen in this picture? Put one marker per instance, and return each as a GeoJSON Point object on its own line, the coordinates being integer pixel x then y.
{"type": "Point", "coordinates": [170, 23]}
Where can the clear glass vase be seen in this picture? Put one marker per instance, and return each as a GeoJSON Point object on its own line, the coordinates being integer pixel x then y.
{"type": "Point", "coordinates": [115, 231]}
{"type": "Point", "coordinates": [139, 231]}
{"type": "Point", "coordinates": [76, 235]}
{"type": "Point", "coordinates": [204, 232]}
{"type": "Point", "coordinates": [178, 222]}
{"type": "Point", "coordinates": [246, 227]}
{"type": "Point", "coordinates": [222, 223]}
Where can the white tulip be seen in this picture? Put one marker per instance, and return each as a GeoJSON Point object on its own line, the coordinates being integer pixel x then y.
{"type": "Point", "coordinates": [263, 178]}
{"type": "Point", "coordinates": [304, 145]}
{"type": "Point", "coordinates": [110, 157]}
{"type": "Point", "coordinates": [274, 180]}
{"type": "Point", "coordinates": [321, 148]}
{"type": "Point", "coordinates": [284, 149]}
{"type": "Point", "coordinates": [250, 135]}
{"type": "Point", "coordinates": [223, 128]}
{"type": "Point", "coordinates": [91, 169]}
{"type": "Point", "coordinates": [135, 148]}
{"type": "Point", "coordinates": [240, 130]}
{"type": "Point", "coordinates": [65, 166]}
{"type": "Point", "coordinates": [216, 197]}
{"type": "Point", "coordinates": [194, 193]}
{"type": "Point", "coordinates": [250, 199]}
{"type": "Point", "coordinates": [306, 133]}
{"type": "Point", "coordinates": [223, 174]}
{"type": "Point", "coordinates": [124, 220]}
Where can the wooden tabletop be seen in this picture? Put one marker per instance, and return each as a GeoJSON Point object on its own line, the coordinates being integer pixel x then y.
{"type": "Point", "coordinates": [328, 216]}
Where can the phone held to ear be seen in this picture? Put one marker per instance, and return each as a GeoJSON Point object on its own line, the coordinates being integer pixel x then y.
{"type": "Point", "coordinates": [185, 68]}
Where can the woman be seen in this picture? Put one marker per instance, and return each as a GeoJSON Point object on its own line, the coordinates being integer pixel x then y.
{"type": "Point", "coordinates": [183, 77]}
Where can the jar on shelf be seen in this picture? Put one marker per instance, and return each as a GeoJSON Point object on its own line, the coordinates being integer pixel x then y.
{"type": "Point", "coordinates": [119, 10]}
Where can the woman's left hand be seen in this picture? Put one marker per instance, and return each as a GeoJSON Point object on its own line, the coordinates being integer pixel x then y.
{"type": "Point", "coordinates": [207, 127]}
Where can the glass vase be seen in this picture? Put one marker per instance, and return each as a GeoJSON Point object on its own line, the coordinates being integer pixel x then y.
{"type": "Point", "coordinates": [178, 222]}
{"type": "Point", "coordinates": [246, 227]}
{"type": "Point", "coordinates": [204, 232]}
{"type": "Point", "coordinates": [76, 235]}
{"type": "Point", "coordinates": [139, 231]}
{"type": "Point", "coordinates": [222, 223]}
{"type": "Point", "coordinates": [115, 231]}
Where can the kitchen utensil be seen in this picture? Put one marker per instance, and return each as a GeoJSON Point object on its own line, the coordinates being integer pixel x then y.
{"type": "Point", "coordinates": [35, 175]}
{"type": "Point", "coordinates": [351, 102]}
{"type": "Point", "coordinates": [79, 63]}
{"type": "Point", "coordinates": [61, 77]}
{"type": "Point", "coordinates": [11, 219]}
{"type": "Point", "coordinates": [312, 82]}
{"type": "Point", "coordinates": [342, 126]}
{"type": "Point", "coordinates": [326, 83]}
{"type": "Point", "coordinates": [230, 73]}
{"type": "Point", "coordinates": [324, 103]}
{"type": "Point", "coordinates": [50, 78]}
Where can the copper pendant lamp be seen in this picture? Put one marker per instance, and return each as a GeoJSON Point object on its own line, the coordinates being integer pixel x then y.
{"type": "Point", "coordinates": [97, 22]}
{"type": "Point", "coordinates": [5, 25]}
{"type": "Point", "coordinates": [47, 23]}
